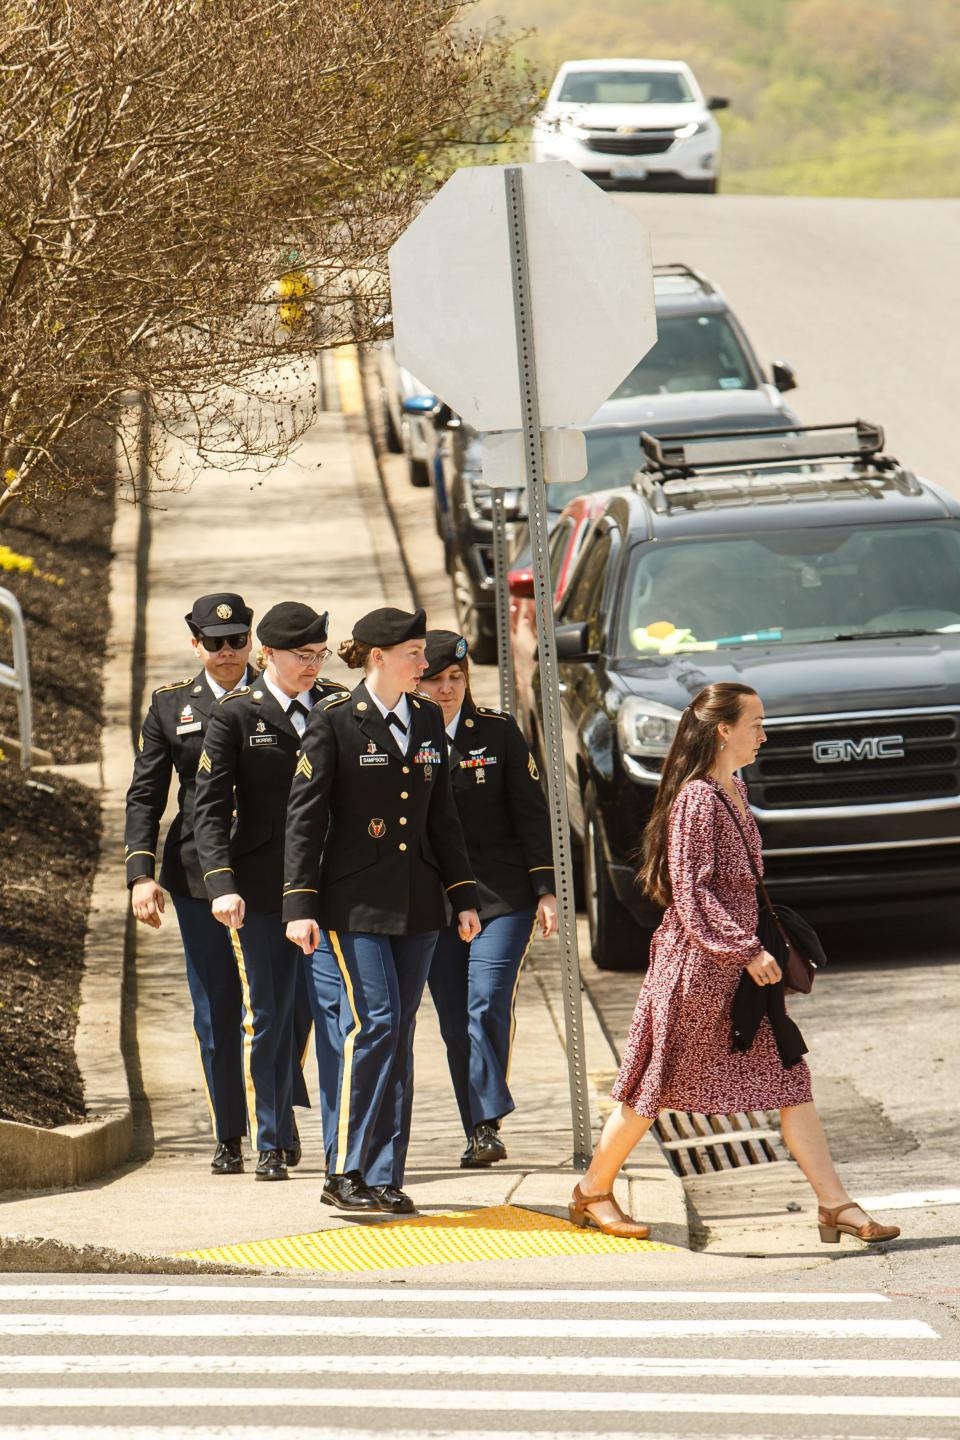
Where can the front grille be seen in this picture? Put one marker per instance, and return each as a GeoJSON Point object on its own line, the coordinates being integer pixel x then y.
{"type": "Point", "coordinates": [786, 774]}
{"type": "Point", "coordinates": [652, 142]}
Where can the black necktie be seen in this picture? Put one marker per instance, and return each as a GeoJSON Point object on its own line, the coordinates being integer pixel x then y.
{"type": "Point", "coordinates": [392, 719]}
{"type": "Point", "coordinates": [297, 708]}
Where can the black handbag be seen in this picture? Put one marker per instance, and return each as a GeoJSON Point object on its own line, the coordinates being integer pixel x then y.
{"type": "Point", "coordinates": [791, 940]}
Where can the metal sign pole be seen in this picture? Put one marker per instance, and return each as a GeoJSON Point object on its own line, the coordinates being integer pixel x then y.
{"type": "Point", "coordinates": [508, 690]}
{"type": "Point", "coordinates": [549, 673]}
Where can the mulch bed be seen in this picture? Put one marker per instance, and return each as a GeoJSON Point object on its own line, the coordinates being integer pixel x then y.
{"type": "Point", "coordinates": [50, 826]}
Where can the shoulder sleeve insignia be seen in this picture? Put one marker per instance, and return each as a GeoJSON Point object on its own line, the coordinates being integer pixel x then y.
{"type": "Point", "coordinates": [203, 764]}
{"type": "Point", "coordinates": [232, 694]}
{"type": "Point", "coordinates": [140, 743]}
{"type": "Point", "coordinates": [304, 768]}
{"type": "Point", "coordinates": [532, 767]}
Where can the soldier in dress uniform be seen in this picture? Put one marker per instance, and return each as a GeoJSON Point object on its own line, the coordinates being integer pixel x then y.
{"type": "Point", "coordinates": [171, 739]}
{"type": "Point", "coordinates": [506, 823]}
{"type": "Point", "coordinates": [248, 758]}
{"type": "Point", "coordinates": [373, 845]}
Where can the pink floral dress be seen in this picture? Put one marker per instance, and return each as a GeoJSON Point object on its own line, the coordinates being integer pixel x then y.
{"type": "Point", "coordinates": [678, 1054]}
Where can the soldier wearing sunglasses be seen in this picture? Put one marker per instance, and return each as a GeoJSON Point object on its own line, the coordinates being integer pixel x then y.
{"type": "Point", "coordinates": [171, 740]}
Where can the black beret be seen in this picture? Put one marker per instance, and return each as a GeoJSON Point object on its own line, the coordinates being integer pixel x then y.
{"type": "Point", "coordinates": [220, 614]}
{"type": "Point", "coordinates": [444, 647]}
{"type": "Point", "coordinates": [387, 626]}
{"type": "Point", "coordinates": [289, 624]}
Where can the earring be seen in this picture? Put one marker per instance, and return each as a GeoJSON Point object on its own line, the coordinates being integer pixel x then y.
{"type": "Point", "coordinates": [723, 744]}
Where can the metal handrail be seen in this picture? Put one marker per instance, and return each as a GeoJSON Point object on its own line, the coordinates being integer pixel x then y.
{"type": "Point", "coordinates": [17, 676]}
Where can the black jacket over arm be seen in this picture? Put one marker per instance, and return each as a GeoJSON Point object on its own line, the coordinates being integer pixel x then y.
{"type": "Point", "coordinates": [502, 809]}
{"type": "Point", "coordinates": [171, 739]}
{"type": "Point", "coordinates": [249, 755]}
{"type": "Point", "coordinates": [373, 838]}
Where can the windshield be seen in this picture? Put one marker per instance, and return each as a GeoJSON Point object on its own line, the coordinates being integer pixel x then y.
{"type": "Point", "coordinates": [612, 462]}
{"type": "Point", "coordinates": [693, 352]}
{"type": "Point", "coordinates": [792, 586]}
{"type": "Point", "coordinates": [625, 87]}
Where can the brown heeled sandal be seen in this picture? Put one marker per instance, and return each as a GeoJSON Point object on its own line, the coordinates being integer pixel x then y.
{"type": "Point", "coordinates": [831, 1227]}
{"type": "Point", "coordinates": [623, 1229]}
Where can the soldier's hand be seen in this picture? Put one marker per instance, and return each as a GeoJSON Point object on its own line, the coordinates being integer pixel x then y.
{"type": "Point", "coordinates": [468, 925]}
{"type": "Point", "coordinates": [305, 933]}
{"type": "Point", "coordinates": [547, 915]}
{"type": "Point", "coordinates": [229, 910]}
{"type": "Point", "coordinates": [146, 899]}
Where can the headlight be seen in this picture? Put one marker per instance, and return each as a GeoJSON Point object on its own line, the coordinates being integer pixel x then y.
{"type": "Point", "coordinates": [645, 729]}
{"type": "Point", "coordinates": [695, 127]}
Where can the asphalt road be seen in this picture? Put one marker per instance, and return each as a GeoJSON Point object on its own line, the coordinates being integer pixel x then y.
{"type": "Point", "coordinates": [199, 1358]}
{"type": "Point", "coordinates": [862, 297]}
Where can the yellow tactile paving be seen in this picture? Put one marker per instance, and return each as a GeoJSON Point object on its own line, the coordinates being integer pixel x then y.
{"type": "Point", "coordinates": [503, 1232]}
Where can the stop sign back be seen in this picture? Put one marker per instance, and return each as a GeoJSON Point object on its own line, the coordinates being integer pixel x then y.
{"type": "Point", "coordinates": [591, 285]}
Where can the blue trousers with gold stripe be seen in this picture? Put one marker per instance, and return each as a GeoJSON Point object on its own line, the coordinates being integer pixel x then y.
{"type": "Point", "coordinates": [474, 989]}
{"type": "Point", "coordinates": [268, 966]}
{"type": "Point", "coordinates": [215, 990]}
{"type": "Point", "coordinates": [382, 979]}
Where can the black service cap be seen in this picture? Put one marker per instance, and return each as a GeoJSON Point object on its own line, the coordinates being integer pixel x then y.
{"type": "Point", "coordinates": [387, 626]}
{"type": "Point", "coordinates": [444, 647]}
{"type": "Point", "coordinates": [289, 624]}
{"type": "Point", "coordinates": [221, 614]}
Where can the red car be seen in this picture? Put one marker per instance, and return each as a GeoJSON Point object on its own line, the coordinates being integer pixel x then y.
{"type": "Point", "coordinates": [566, 541]}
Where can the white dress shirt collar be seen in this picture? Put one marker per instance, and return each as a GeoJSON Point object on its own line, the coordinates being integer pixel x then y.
{"type": "Point", "coordinates": [218, 690]}
{"type": "Point", "coordinates": [451, 729]}
{"type": "Point", "coordinates": [402, 712]}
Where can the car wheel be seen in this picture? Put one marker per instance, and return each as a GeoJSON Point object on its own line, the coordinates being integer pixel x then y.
{"type": "Point", "coordinates": [616, 940]}
{"type": "Point", "coordinates": [420, 473]}
{"type": "Point", "coordinates": [477, 632]}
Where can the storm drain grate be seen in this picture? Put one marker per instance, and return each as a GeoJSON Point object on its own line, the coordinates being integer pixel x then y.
{"type": "Point", "coordinates": [703, 1144]}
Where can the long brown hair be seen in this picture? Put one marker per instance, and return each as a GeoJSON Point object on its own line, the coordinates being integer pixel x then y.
{"type": "Point", "coordinates": [691, 756]}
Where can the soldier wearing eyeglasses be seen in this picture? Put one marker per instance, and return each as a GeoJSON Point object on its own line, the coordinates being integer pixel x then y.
{"type": "Point", "coordinates": [250, 751]}
{"type": "Point", "coordinates": [171, 739]}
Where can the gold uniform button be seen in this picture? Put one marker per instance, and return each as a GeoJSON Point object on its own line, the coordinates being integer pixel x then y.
{"type": "Point", "coordinates": [403, 819]}
{"type": "Point", "coordinates": [404, 795]}
{"type": "Point", "coordinates": [401, 846]}
{"type": "Point", "coordinates": [406, 769]}
{"type": "Point", "coordinates": [469, 724]}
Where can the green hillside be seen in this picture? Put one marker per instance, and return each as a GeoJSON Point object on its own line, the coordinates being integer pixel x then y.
{"type": "Point", "coordinates": [828, 97]}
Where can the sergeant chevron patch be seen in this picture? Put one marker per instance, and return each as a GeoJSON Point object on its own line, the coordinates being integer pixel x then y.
{"type": "Point", "coordinates": [532, 767]}
{"type": "Point", "coordinates": [204, 763]}
{"type": "Point", "coordinates": [304, 768]}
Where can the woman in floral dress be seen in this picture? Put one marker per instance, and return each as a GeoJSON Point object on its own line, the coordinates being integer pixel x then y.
{"type": "Point", "coordinates": [678, 1054]}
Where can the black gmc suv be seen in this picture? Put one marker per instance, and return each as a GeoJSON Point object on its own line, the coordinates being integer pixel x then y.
{"type": "Point", "coordinates": [815, 568]}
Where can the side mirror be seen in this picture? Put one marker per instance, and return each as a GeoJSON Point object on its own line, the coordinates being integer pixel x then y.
{"type": "Point", "coordinates": [520, 584]}
{"type": "Point", "coordinates": [419, 404]}
{"type": "Point", "coordinates": [572, 642]}
{"type": "Point", "coordinates": [718, 102]}
{"type": "Point", "coordinates": [784, 376]}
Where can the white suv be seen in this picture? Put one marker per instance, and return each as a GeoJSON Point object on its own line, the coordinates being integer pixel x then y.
{"type": "Point", "coordinates": [639, 122]}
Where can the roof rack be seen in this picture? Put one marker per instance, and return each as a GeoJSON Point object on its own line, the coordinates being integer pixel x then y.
{"type": "Point", "coordinates": [677, 268]}
{"type": "Point", "coordinates": [678, 457]}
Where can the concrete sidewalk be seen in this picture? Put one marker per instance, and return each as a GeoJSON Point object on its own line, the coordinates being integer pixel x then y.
{"type": "Point", "coordinates": [318, 530]}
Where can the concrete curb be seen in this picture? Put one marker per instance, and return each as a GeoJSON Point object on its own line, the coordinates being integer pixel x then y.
{"type": "Point", "coordinates": [37, 1255]}
{"type": "Point", "coordinates": [33, 1158]}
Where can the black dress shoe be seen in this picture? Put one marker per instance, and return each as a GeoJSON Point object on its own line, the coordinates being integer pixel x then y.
{"type": "Point", "coordinates": [294, 1155]}
{"type": "Point", "coordinates": [228, 1158]}
{"type": "Point", "coordinates": [392, 1200]}
{"type": "Point", "coordinates": [348, 1192]}
{"type": "Point", "coordinates": [271, 1166]}
{"type": "Point", "coordinates": [483, 1148]}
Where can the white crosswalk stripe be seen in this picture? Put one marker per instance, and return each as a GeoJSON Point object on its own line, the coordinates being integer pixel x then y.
{"type": "Point", "coordinates": [99, 1359]}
